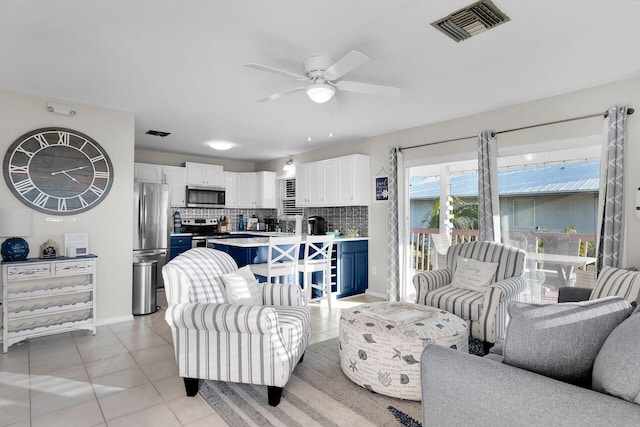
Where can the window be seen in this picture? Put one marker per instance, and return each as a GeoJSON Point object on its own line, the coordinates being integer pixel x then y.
{"type": "Point", "coordinates": [287, 193]}
{"type": "Point", "coordinates": [524, 213]}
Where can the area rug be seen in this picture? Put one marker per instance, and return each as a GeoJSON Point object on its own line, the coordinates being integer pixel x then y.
{"type": "Point", "coordinates": [317, 394]}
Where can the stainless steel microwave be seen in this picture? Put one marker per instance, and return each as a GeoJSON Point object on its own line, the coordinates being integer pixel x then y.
{"type": "Point", "coordinates": [205, 197]}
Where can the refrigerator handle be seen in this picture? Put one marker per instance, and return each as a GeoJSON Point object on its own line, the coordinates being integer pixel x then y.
{"type": "Point", "coordinates": [143, 215]}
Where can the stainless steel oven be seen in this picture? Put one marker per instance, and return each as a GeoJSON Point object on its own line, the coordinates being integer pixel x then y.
{"type": "Point", "coordinates": [199, 241]}
{"type": "Point", "coordinates": [200, 229]}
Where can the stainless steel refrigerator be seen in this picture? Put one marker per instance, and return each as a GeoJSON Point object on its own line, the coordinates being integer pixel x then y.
{"type": "Point", "coordinates": [152, 225]}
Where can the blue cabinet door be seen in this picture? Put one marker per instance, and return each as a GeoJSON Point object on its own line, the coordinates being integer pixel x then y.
{"type": "Point", "coordinates": [352, 268]}
{"type": "Point", "coordinates": [179, 244]}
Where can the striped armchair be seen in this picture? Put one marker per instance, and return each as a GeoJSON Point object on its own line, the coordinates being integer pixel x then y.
{"type": "Point", "coordinates": [229, 342]}
{"type": "Point", "coordinates": [485, 312]}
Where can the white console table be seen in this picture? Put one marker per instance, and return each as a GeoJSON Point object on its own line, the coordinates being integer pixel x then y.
{"type": "Point", "coordinates": [44, 297]}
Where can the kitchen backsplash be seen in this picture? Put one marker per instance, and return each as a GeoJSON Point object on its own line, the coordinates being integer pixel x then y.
{"type": "Point", "coordinates": [337, 218]}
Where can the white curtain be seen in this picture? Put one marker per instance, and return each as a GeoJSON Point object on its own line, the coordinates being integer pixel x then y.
{"type": "Point", "coordinates": [611, 212]}
{"type": "Point", "coordinates": [393, 288]}
{"type": "Point", "coordinates": [488, 205]}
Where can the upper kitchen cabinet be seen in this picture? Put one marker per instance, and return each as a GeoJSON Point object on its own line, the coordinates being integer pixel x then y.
{"type": "Point", "coordinates": [231, 189]}
{"type": "Point", "coordinates": [256, 190]}
{"type": "Point", "coordinates": [145, 172]}
{"type": "Point", "coordinates": [175, 176]}
{"type": "Point", "coordinates": [204, 174]}
{"type": "Point", "coordinates": [342, 181]}
{"type": "Point", "coordinates": [309, 184]}
{"type": "Point", "coordinates": [355, 180]}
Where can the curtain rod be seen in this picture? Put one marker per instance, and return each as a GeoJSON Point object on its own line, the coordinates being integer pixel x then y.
{"type": "Point", "coordinates": [590, 116]}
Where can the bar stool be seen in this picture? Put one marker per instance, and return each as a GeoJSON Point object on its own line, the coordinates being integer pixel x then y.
{"type": "Point", "coordinates": [317, 258]}
{"type": "Point", "coordinates": [282, 260]}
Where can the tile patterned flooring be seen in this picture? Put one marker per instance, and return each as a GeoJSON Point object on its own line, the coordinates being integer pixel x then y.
{"type": "Point", "coordinates": [125, 375]}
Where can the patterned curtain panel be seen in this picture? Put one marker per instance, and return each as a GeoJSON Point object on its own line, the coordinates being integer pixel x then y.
{"type": "Point", "coordinates": [393, 289]}
{"type": "Point", "coordinates": [488, 205]}
{"type": "Point", "coordinates": [612, 191]}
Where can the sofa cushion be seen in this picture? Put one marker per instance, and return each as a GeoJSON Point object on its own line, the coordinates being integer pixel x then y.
{"type": "Point", "coordinates": [474, 275]}
{"type": "Point", "coordinates": [561, 341]}
{"type": "Point", "coordinates": [616, 370]}
{"type": "Point", "coordinates": [617, 281]}
{"type": "Point", "coordinates": [464, 303]}
{"type": "Point", "coordinates": [241, 287]}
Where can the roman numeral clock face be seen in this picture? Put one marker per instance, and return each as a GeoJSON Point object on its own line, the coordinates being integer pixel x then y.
{"type": "Point", "coordinates": [58, 171]}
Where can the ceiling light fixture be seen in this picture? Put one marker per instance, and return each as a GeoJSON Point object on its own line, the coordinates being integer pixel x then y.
{"type": "Point", "coordinates": [288, 165]}
{"type": "Point", "coordinates": [220, 145]}
{"type": "Point", "coordinates": [320, 92]}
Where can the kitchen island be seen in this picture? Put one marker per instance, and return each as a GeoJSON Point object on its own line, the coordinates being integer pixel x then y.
{"type": "Point", "coordinates": [349, 258]}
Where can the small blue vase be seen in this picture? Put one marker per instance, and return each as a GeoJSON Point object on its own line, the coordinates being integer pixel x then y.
{"type": "Point", "coordinates": [14, 249]}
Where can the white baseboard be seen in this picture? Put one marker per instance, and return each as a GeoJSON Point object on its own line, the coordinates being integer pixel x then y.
{"type": "Point", "coordinates": [112, 320]}
{"type": "Point", "coordinates": [376, 294]}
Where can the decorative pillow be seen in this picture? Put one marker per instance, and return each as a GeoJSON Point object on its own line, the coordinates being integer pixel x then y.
{"type": "Point", "coordinates": [474, 275]}
{"type": "Point", "coordinates": [241, 287]}
{"type": "Point", "coordinates": [618, 282]}
{"type": "Point", "coordinates": [561, 341]}
{"type": "Point", "coordinates": [616, 370]}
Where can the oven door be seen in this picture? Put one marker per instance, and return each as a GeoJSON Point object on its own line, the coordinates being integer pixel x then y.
{"type": "Point", "coordinates": [199, 241]}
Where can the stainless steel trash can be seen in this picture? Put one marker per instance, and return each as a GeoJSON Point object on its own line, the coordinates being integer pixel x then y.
{"type": "Point", "coordinates": [144, 287]}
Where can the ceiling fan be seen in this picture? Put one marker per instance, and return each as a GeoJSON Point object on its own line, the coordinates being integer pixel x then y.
{"type": "Point", "coordinates": [322, 74]}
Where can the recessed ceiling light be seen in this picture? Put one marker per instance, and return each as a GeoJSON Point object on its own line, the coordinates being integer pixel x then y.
{"type": "Point", "coordinates": [220, 145]}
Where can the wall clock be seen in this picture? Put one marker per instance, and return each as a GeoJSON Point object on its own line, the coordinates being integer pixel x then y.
{"type": "Point", "coordinates": [58, 171]}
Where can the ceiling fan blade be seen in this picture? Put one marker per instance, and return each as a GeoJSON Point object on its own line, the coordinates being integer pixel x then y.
{"type": "Point", "coordinates": [281, 94]}
{"type": "Point", "coordinates": [342, 66]}
{"type": "Point", "coordinates": [278, 71]}
{"type": "Point", "coordinates": [368, 88]}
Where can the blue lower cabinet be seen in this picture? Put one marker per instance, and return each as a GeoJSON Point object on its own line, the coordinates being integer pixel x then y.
{"type": "Point", "coordinates": [352, 264]}
{"type": "Point", "coordinates": [179, 244]}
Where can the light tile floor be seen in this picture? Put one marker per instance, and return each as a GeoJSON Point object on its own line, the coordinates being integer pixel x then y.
{"type": "Point", "coordinates": [125, 375]}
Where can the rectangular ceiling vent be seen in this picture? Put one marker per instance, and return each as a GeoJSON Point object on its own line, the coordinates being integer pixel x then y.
{"type": "Point", "coordinates": [471, 20]}
{"type": "Point", "coordinates": [158, 133]}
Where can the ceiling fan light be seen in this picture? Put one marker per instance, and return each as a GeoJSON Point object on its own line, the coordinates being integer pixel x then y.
{"type": "Point", "coordinates": [320, 92]}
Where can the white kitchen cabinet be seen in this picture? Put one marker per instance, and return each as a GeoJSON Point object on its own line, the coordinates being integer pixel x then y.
{"type": "Point", "coordinates": [355, 180]}
{"type": "Point", "coordinates": [246, 190]}
{"type": "Point", "coordinates": [309, 184]}
{"type": "Point", "coordinates": [331, 182]}
{"type": "Point", "coordinates": [341, 181]}
{"type": "Point", "coordinates": [256, 190]}
{"type": "Point", "coordinates": [302, 184]}
{"type": "Point", "coordinates": [266, 190]}
{"type": "Point", "coordinates": [146, 172]}
{"type": "Point", "coordinates": [45, 297]}
{"type": "Point", "coordinates": [205, 174]}
{"type": "Point", "coordinates": [231, 189]}
{"type": "Point", "coordinates": [176, 177]}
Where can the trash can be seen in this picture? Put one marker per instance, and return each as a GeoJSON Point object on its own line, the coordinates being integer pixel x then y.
{"type": "Point", "coordinates": [144, 287]}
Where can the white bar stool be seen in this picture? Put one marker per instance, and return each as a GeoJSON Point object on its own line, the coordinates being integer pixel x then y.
{"type": "Point", "coordinates": [282, 260]}
{"type": "Point", "coordinates": [317, 258]}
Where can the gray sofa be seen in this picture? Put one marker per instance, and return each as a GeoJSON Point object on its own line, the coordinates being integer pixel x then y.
{"type": "Point", "coordinates": [570, 364]}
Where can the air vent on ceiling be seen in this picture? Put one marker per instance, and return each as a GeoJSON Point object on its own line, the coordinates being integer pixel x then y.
{"type": "Point", "coordinates": [158, 133]}
{"type": "Point", "coordinates": [471, 20]}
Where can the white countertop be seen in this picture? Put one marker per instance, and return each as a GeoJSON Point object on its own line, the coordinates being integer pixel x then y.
{"type": "Point", "coordinates": [252, 242]}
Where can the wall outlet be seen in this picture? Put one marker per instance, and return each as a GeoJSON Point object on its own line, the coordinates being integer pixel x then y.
{"type": "Point", "coordinates": [373, 271]}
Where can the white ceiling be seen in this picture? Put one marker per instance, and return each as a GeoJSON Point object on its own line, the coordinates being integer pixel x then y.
{"type": "Point", "coordinates": [179, 65]}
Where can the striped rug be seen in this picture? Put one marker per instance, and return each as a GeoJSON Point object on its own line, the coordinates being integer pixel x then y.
{"type": "Point", "coordinates": [317, 394]}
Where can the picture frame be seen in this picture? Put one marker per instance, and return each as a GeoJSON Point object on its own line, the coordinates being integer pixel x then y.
{"type": "Point", "coordinates": [79, 241]}
{"type": "Point", "coordinates": [381, 187]}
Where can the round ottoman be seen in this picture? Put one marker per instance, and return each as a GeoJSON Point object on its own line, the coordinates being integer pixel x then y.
{"type": "Point", "coordinates": [381, 344]}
